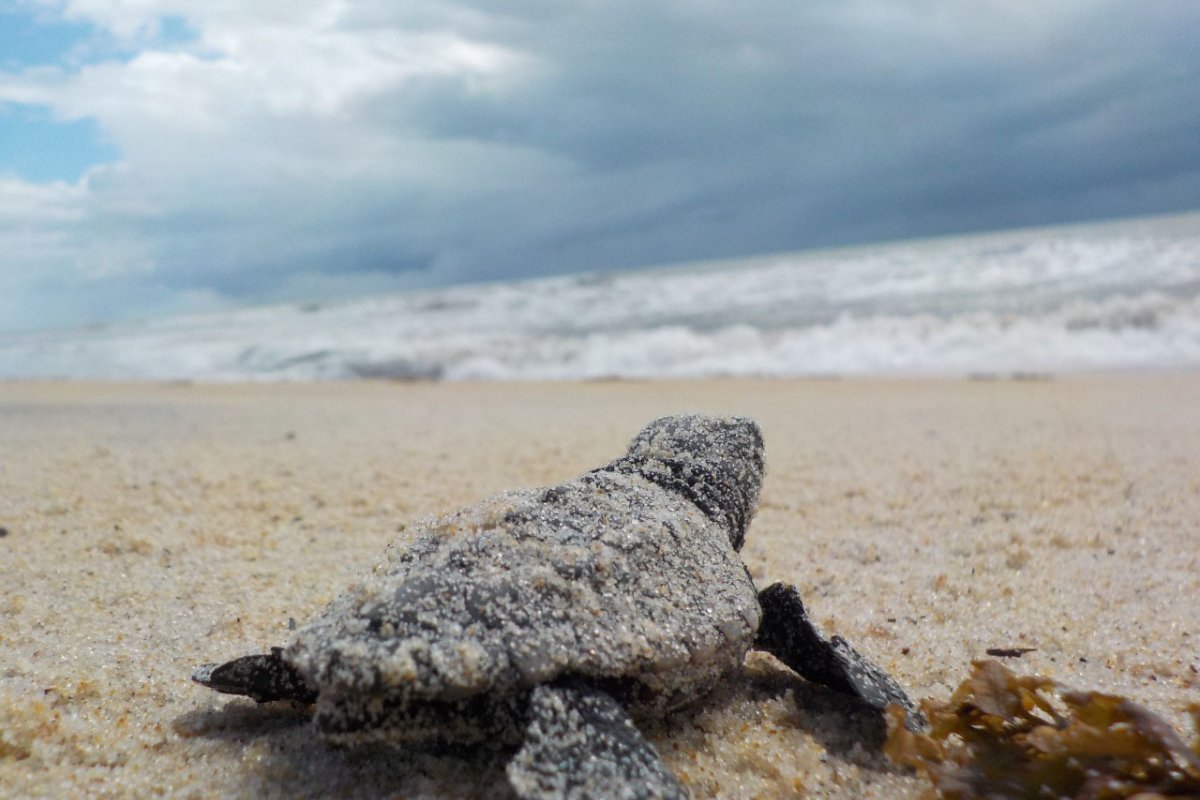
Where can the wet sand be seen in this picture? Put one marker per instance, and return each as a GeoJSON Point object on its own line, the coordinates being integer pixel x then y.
{"type": "Point", "coordinates": [149, 528]}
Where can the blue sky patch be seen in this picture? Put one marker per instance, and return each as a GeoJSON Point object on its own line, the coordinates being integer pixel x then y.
{"type": "Point", "coordinates": [38, 148]}
{"type": "Point", "coordinates": [31, 40]}
{"type": "Point", "coordinates": [173, 31]}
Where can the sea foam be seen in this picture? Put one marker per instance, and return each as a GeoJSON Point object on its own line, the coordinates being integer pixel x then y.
{"type": "Point", "coordinates": [1101, 297]}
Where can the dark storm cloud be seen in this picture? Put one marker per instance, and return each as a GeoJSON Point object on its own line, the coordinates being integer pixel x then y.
{"type": "Point", "coordinates": [703, 130]}
{"type": "Point", "coordinates": [554, 137]}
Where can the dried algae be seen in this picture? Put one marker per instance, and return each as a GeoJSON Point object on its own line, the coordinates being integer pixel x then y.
{"type": "Point", "coordinates": [1002, 736]}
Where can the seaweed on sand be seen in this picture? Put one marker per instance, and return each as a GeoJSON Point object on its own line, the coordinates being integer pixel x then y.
{"type": "Point", "coordinates": [1002, 736]}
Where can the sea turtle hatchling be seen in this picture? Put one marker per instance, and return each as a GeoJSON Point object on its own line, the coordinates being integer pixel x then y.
{"type": "Point", "coordinates": [551, 618]}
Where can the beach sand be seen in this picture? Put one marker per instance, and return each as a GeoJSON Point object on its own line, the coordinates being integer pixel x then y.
{"type": "Point", "coordinates": [150, 528]}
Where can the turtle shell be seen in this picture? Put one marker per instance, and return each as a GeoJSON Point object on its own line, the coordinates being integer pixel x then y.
{"type": "Point", "coordinates": [610, 577]}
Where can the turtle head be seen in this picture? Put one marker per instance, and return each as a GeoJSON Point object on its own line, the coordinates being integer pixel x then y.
{"type": "Point", "coordinates": [716, 462]}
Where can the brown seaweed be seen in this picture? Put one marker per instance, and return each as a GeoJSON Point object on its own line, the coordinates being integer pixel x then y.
{"type": "Point", "coordinates": [1003, 737]}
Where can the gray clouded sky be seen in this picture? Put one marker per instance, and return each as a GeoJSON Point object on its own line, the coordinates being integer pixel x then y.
{"type": "Point", "coordinates": [169, 155]}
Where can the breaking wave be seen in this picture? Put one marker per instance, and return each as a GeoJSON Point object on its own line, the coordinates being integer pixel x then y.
{"type": "Point", "coordinates": [1116, 296]}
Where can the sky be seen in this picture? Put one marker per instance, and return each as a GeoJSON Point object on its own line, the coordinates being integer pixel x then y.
{"type": "Point", "coordinates": [168, 156]}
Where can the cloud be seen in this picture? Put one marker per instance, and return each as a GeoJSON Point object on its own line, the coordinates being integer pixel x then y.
{"type": "Point", "coordinates": [295, 149]}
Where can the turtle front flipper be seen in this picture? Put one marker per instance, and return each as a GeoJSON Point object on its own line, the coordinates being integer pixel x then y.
{"type": "Point", "coordinates": [579, 743]}
{"type": "Point", "coordinates": [262, 677]}
{"type": "Point", "coordinates": [787, 633]}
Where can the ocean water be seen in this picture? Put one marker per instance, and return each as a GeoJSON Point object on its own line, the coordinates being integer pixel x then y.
{"type": "Point", "coordinates": [1115, 296]}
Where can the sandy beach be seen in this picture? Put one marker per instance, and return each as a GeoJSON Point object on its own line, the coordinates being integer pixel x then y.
{"type": "Point", "coordinates": [150, 528]}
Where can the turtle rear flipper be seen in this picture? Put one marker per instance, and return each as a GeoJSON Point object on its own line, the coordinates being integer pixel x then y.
{"type": "Point", "coordinates": [579, 743]}
{"type": "Point", "coordinates": [263, 677]}
{"type": "Point", "coordinates": [787, 633]}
